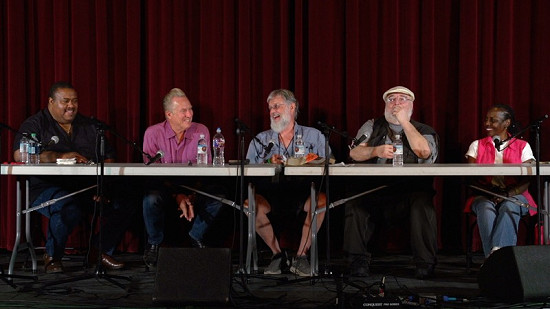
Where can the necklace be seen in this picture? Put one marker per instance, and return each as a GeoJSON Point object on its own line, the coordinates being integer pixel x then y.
{"type": "Point", "coordinates": [285, 151]}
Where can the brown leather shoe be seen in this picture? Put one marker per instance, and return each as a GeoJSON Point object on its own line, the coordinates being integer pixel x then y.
{"type": "Point", "coordinates": [110, 263]}
{"type": "Point", "coordinates": [107, 261]}
{"type": "Point", "coordinates": [52, 266]}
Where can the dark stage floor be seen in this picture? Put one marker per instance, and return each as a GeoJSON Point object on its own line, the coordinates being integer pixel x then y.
{"type": "Point", "coordinates": [452, 280]}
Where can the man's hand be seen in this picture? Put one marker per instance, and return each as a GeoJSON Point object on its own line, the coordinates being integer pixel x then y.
{"type": "Point", "coordinates": [52, 156]}
{"type": "Point", "coordinates": [186, 206]}
{"type": "Point", "coordinates": [277, 159]}
{"type": "Point", "coordinates": [68, 155]}
{"type": "Point", "coordinates": [364, 152]}
{"type": "Point", "coordinates": [401, 113]}
{"type": "Point", "coordinates": [384, 151]}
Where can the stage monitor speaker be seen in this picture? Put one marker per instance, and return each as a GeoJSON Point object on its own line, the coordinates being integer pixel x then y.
{"type": "Point", "coordinates": [517, 274]}
{"type": "Point", "coordinates": [193, 276]}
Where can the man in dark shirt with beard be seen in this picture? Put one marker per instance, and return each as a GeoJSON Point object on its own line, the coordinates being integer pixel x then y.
{"type": "Point", "coordinates": [411, 197]}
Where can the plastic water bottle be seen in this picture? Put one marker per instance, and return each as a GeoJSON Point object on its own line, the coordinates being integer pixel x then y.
{"type": "Point", "coordinates": [218, 144]}
{"type": "Point", "coordinates": [34, 150]}
{"type": "Point", "coordinates": [24, 149]}
{"type": "Point", "coordinates": [398, 151]}
{"type": "Point", "coordinates": [202, 153]}
{"type": "Point", "coordinates": [299, 147]}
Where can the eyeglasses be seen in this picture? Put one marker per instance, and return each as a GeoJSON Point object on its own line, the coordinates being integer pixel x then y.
{"type": "Point", "coordinates": [275, 106]}
{"type": "Point", "coordinates": [398, 99]}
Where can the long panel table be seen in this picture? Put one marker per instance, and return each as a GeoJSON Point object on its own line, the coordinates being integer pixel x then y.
{"type": "Point", "coordinates": [467, 169]}
{"type": "Point", "coordinates": [339, 170]}
{"type": "Point", "coordinates": [128, 169]}
{"type": "Point", "coordinates": [137, 169]}
{"type": "Point", "coordinates": [470, 169]}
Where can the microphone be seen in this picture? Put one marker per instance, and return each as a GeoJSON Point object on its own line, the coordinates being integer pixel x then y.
{"type": "Point", "coordinates": [325, 125]}
{"type": "Point", "coordinates": [356, 141]}
{"type": "Point", "coordinates": [99, 124]}
{"type": "Point", "coordinates": [241, 126]}
{"type": "Point", "coordinates": [269, 146]}
{"type": "Point", "coordinates": [157, 157]}
{"type": "Point", "coordinates": [498, 142]}
{"type": "Point", "coordinates": [54, 140]}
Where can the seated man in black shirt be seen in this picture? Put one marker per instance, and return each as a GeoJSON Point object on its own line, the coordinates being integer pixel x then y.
{"type": "Point", "coordinates": [77, 139]}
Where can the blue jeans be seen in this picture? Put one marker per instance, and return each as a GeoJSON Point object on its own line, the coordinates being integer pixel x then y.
{"type": "Point", "coordinates": [65, 214]}
{"type": "Point", "coordinates": [498, 223]}
{"type": "Point", "coordinates": [154, 202]}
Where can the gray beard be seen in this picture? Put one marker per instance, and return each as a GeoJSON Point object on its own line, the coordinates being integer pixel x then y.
{"type": "Point", "coordinates": [392, 119]}
{"type": "Point", "coordinates": [279, 127]}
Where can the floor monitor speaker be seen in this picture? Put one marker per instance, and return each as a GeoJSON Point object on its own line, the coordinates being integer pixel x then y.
{"type": "Point", "coordinates": [193, 276]}
{"type": "Point", "coordinates": [517, 274]}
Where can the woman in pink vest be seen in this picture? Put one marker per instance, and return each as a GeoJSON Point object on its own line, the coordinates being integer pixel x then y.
{"type": "Point", "coordinates": [498, 218]}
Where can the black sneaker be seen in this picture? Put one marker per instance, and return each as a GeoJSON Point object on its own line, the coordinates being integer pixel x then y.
{"type": "Point", "coordinates": [150, 255]}
{"type": "Point", "coordinates": [300, 266]}
{"type": "Point", "coordinates": [278, 262]}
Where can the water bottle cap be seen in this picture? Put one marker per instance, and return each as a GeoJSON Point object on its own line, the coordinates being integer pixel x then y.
{"type": "Point", "coordinates": [397, 136]}
{"type": "Point", "coordinates": [202, 135]}
{"type": "Point", "coordinates": [218, 130]}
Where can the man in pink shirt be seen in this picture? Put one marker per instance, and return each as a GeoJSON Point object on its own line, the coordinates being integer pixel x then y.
{"type": "Point", "coordinates": [177, 138]}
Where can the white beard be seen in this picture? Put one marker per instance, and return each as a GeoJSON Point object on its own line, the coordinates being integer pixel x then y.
{"type": "Point", "coordinates": [392, 119]}
{"type": "Point", "coordinates": [278, 127]}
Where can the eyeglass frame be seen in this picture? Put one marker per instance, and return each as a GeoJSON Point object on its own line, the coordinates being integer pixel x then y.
{"type": "Point", "coordinates": [399, 98]}
{"type": "Point", "coordinates": [275, 106]}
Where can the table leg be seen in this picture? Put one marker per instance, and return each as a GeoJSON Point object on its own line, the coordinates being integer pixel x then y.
{"type": "Point", "coordinates": [251, 251]}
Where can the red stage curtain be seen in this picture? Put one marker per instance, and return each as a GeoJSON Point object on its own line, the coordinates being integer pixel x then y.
{"type": "Point", "coordinates": [459, 57]}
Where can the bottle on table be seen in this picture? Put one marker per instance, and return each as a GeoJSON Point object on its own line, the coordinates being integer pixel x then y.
{"type": "Point", "coordinates": [218, 145]}
{"type": "Point", "coordinates": [34, 150]}
{"type": "Point", "coordinates": [300, 148]}
{"type": "Point", "coordinates": [397, 151]}
{"type": "Point", "coordinates": [24, 149]}
{"type": "Point", "coordinates": [202, 153]}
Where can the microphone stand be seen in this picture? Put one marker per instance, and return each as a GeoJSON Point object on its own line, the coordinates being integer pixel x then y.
{"type": "Point", "coordinates": [241, 130]}
{"type": "Point", "coordinates": [115, 133]}
{"type": "Point", "coordinates": [543, 239]}
{"type": "Point", "coordinates": [537, 124]}
{"type": "Point", "coordinates": [327, 130]}
{"type": "Point", "coordinates": [99, 272]}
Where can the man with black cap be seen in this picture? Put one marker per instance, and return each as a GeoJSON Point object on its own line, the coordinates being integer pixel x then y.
{"type": "Point", "coordinates": [404, 198]}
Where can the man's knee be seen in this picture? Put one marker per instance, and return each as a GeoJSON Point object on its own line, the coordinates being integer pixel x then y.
{"type": "Point", "coordinates": [152, 199]}
{"type": "Point", "coordinates": [509, 207]}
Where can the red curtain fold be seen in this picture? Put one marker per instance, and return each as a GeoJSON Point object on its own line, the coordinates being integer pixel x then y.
{"type": "Point", "coordinates": [459, 57]}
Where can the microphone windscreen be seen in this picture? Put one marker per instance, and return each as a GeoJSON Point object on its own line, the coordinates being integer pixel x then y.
{"type": "Point", "coordinates": [269, 146]}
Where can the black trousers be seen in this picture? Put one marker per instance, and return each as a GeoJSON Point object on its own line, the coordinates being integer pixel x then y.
{"type": "Point", "coordinates": [397, 204]}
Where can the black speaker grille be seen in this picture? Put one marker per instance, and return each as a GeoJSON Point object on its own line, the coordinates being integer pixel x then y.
{"type": "Point", "coordinates": [192, 275]}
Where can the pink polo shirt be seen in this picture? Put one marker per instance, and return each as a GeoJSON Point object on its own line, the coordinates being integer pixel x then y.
{"type": "Point", "coordinates": [161, 137]}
